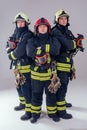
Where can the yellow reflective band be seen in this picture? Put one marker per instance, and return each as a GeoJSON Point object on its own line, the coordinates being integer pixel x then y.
{"type": "Point", "coordinates": [35, 68]}
{"type": "Point", "coordinates": [22, 102]}
{"type": "Point", "coordinates": [21, 98]}
{"type": "Point", "coordinates": [24, 67]}
{"type": "Point", "coordinates": [28, 105]}
{"type": "Point", "coordinates": [63, 67]}
{"type": "Point", "coordinates": [47, 48]}
{"type": "Point", "coordinates": [51, 112]}
{"type": "Point", "coordinates": [25, 71]}
{"type": "Point", "coordinates": [74, 44]}
{"type": "Point", "coordinates": [35, 107]}
{"type": "Point", "coordinates": [51, 108]}
{"type": "Point", "coordinates": [37, 112]}
{"type": "Point", "coordinates": [38, 51]}
{"type": "Point", "coordinates": [39, 78]}
{"type": "Point", "coordinates": [61, 108]}
{"type": "Point", "coordinates": [41, 74]}
{"type": "Point", "coordinates": [12, 56]}
{"type": "Point", "coordinates": [67, 59]}
{"type": "Point", "coordinates": [28, 109]}
{"type": "Point", "coordinates": [61, 103]}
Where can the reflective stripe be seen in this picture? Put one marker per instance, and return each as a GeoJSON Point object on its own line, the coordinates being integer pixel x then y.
{"type": "Point", "coordinates": [51, 110]}
{"type": "Point", "coordinates": [12, 56]}
{"type": "Point", "coordinates": [47, 48]}
{"type": "Point", "coordinates": [61, 108]}
{"type": "Point", "coordinates": [36, 109]}
{"type": "Point", "coordinates": [63, 67]}
{"type": "Point", "coordinates": [67, 59]}
{"type": "Point", "coordinates": [24, 69]}
{"type": "Point", "coordinates": [41, 76]}
{"type": "Point", "coordinates": [28, 107]}
{"type": "Point", "coordinates": [38, 51]}
{"type": "Point", "coordinates": [22, 100]}
{"type": "Point", "coordinates": [61, 103]}
{"type": "Point", "coordinates": [74, 44]}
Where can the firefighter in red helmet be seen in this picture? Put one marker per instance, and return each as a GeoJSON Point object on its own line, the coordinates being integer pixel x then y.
{"type": "Point", "coordinates": [41, 48]}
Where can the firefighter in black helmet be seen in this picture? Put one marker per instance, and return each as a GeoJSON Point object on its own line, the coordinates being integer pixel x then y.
{"type": "Point", "coordinates": [40, 48]}
{"type": "Point", "coordinates": [64, 60]}
{"type": "Point", "coordinates": [16, 49]}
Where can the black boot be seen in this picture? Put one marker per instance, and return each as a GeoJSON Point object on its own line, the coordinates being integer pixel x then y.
{"type": "Point", "coordinates": [20, 107]}
{"type": "Point", "coordinates": [64, 115]}
{"type": "Point", "coordinates": [68, 104]}
{"type": "Point", "coordinates": [26, 116]}
{"type": "Point", "coordinates": [55, 117]}
{"type": "Point", "coordinates": [34, 118]}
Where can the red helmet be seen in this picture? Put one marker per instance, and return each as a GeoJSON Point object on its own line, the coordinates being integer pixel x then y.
{"type": "Point", "coordinates": [40, 22]}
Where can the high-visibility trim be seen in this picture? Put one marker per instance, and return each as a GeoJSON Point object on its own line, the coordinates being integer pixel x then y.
{"type": "Point", "coordinates": [51, 112]}
{"type": "Point", "coordinates": [38, 51]}
{"type": "Point", "coordinates": [37, 112]}
{"type": "Point", "coordinates": [51, 108]}
{"type": "Point", "coordinates": [21, 98]}
{"type": "Point", "coordinates": [63, 67]}
{"type": "Point", "coordinates": [12, 56]}
{"type": "Point", "coordinates": [61, 108]}
{"type": "Point", "coordinates": [22, 102]}
{"type": "Point", "coordinates": [67, 59]}
{"type": "Point", "coordinates": [47, 48]}
{"type": "Point", "coordinates": [36, 68]}
{"type": "Point", "coordinates": [24, 69]}
{"type": "Point", "coordinates": [41, 76]}
{"type": "Point", "coordinates": [61, 103]}
{"type": "Point", "coordinates": [36, 107]}
{"type": "Point", "coordinates": [28, 109]}
{"type": "Point", "coordinates": [28, 105]}
{"type": "Point", "coordinates": [74, 44]}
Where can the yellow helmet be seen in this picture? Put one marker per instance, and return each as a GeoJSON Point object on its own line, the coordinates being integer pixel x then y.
{"type": "Point", "coordinates": [59, 14]}
{"type": "Point", "coordinates": [21, 16]}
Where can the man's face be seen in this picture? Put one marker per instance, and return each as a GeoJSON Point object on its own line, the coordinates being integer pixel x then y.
{"type": "Point", "coordinates": [20, 23]}
{"type": "Point", "coordinates": [42, 29]}
{"type": "Point", "coordinates": [62, 20]}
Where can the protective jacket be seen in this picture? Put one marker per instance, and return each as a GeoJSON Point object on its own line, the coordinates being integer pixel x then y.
{"type": "Point", "coordinates": [18, 55]}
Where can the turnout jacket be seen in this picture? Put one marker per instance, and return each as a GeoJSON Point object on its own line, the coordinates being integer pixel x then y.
{"type": "Point", "coordinates": [18, 55]}
{"type": "Point", "coordinates": [48, 44]}
{"type": "Point", "coordinates": [68, 46]}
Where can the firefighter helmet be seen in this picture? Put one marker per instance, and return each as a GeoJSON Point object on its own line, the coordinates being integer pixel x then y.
{"type": "Point", "coordinates": [21, 16]}
{"type": "Point", "coordinates": [59, 14]}
{"type": "Point", "coordinates": [40, 22]}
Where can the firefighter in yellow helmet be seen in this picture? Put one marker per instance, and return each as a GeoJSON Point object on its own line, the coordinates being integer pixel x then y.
{"type": "Point", "coordinates": [64, 60]}
{"type": "Point", "coordinates": [20, 63]}
{"type": "Point", "coordinates": [40, 48]}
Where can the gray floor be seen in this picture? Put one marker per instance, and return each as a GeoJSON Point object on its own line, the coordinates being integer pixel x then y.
{"type": "Point", "coordinates": [10, 119]}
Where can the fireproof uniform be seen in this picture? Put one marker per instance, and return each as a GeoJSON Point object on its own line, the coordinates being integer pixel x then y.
{"type": "Point", "coordinates": [64, 61]}
{"type": "Point", "coordinates": [40, 73]}
{"type": "Point", "coordinates": [20, 61]}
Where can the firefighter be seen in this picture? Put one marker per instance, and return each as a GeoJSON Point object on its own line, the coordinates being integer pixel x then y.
{"type": "Point", "coordinates": [20, 63]}
{"type": "Point", "coordinates": [64, 59]}
{"type": "Point", "coordinates": [41, 48]}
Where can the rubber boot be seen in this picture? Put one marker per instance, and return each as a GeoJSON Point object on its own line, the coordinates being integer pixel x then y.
{"type": "Point", "coordinates": [68, 104]}
{"type": "Point", "coordinates": [34, 118]}
{"type": "Point", "coordinates": [54, 117]}
{"type": "Point", "coordinates": [26, 116]}
{"type": "Point", "coordinates": [64, 115]}
{"type": "Point", "coordinates": [20, 107]}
